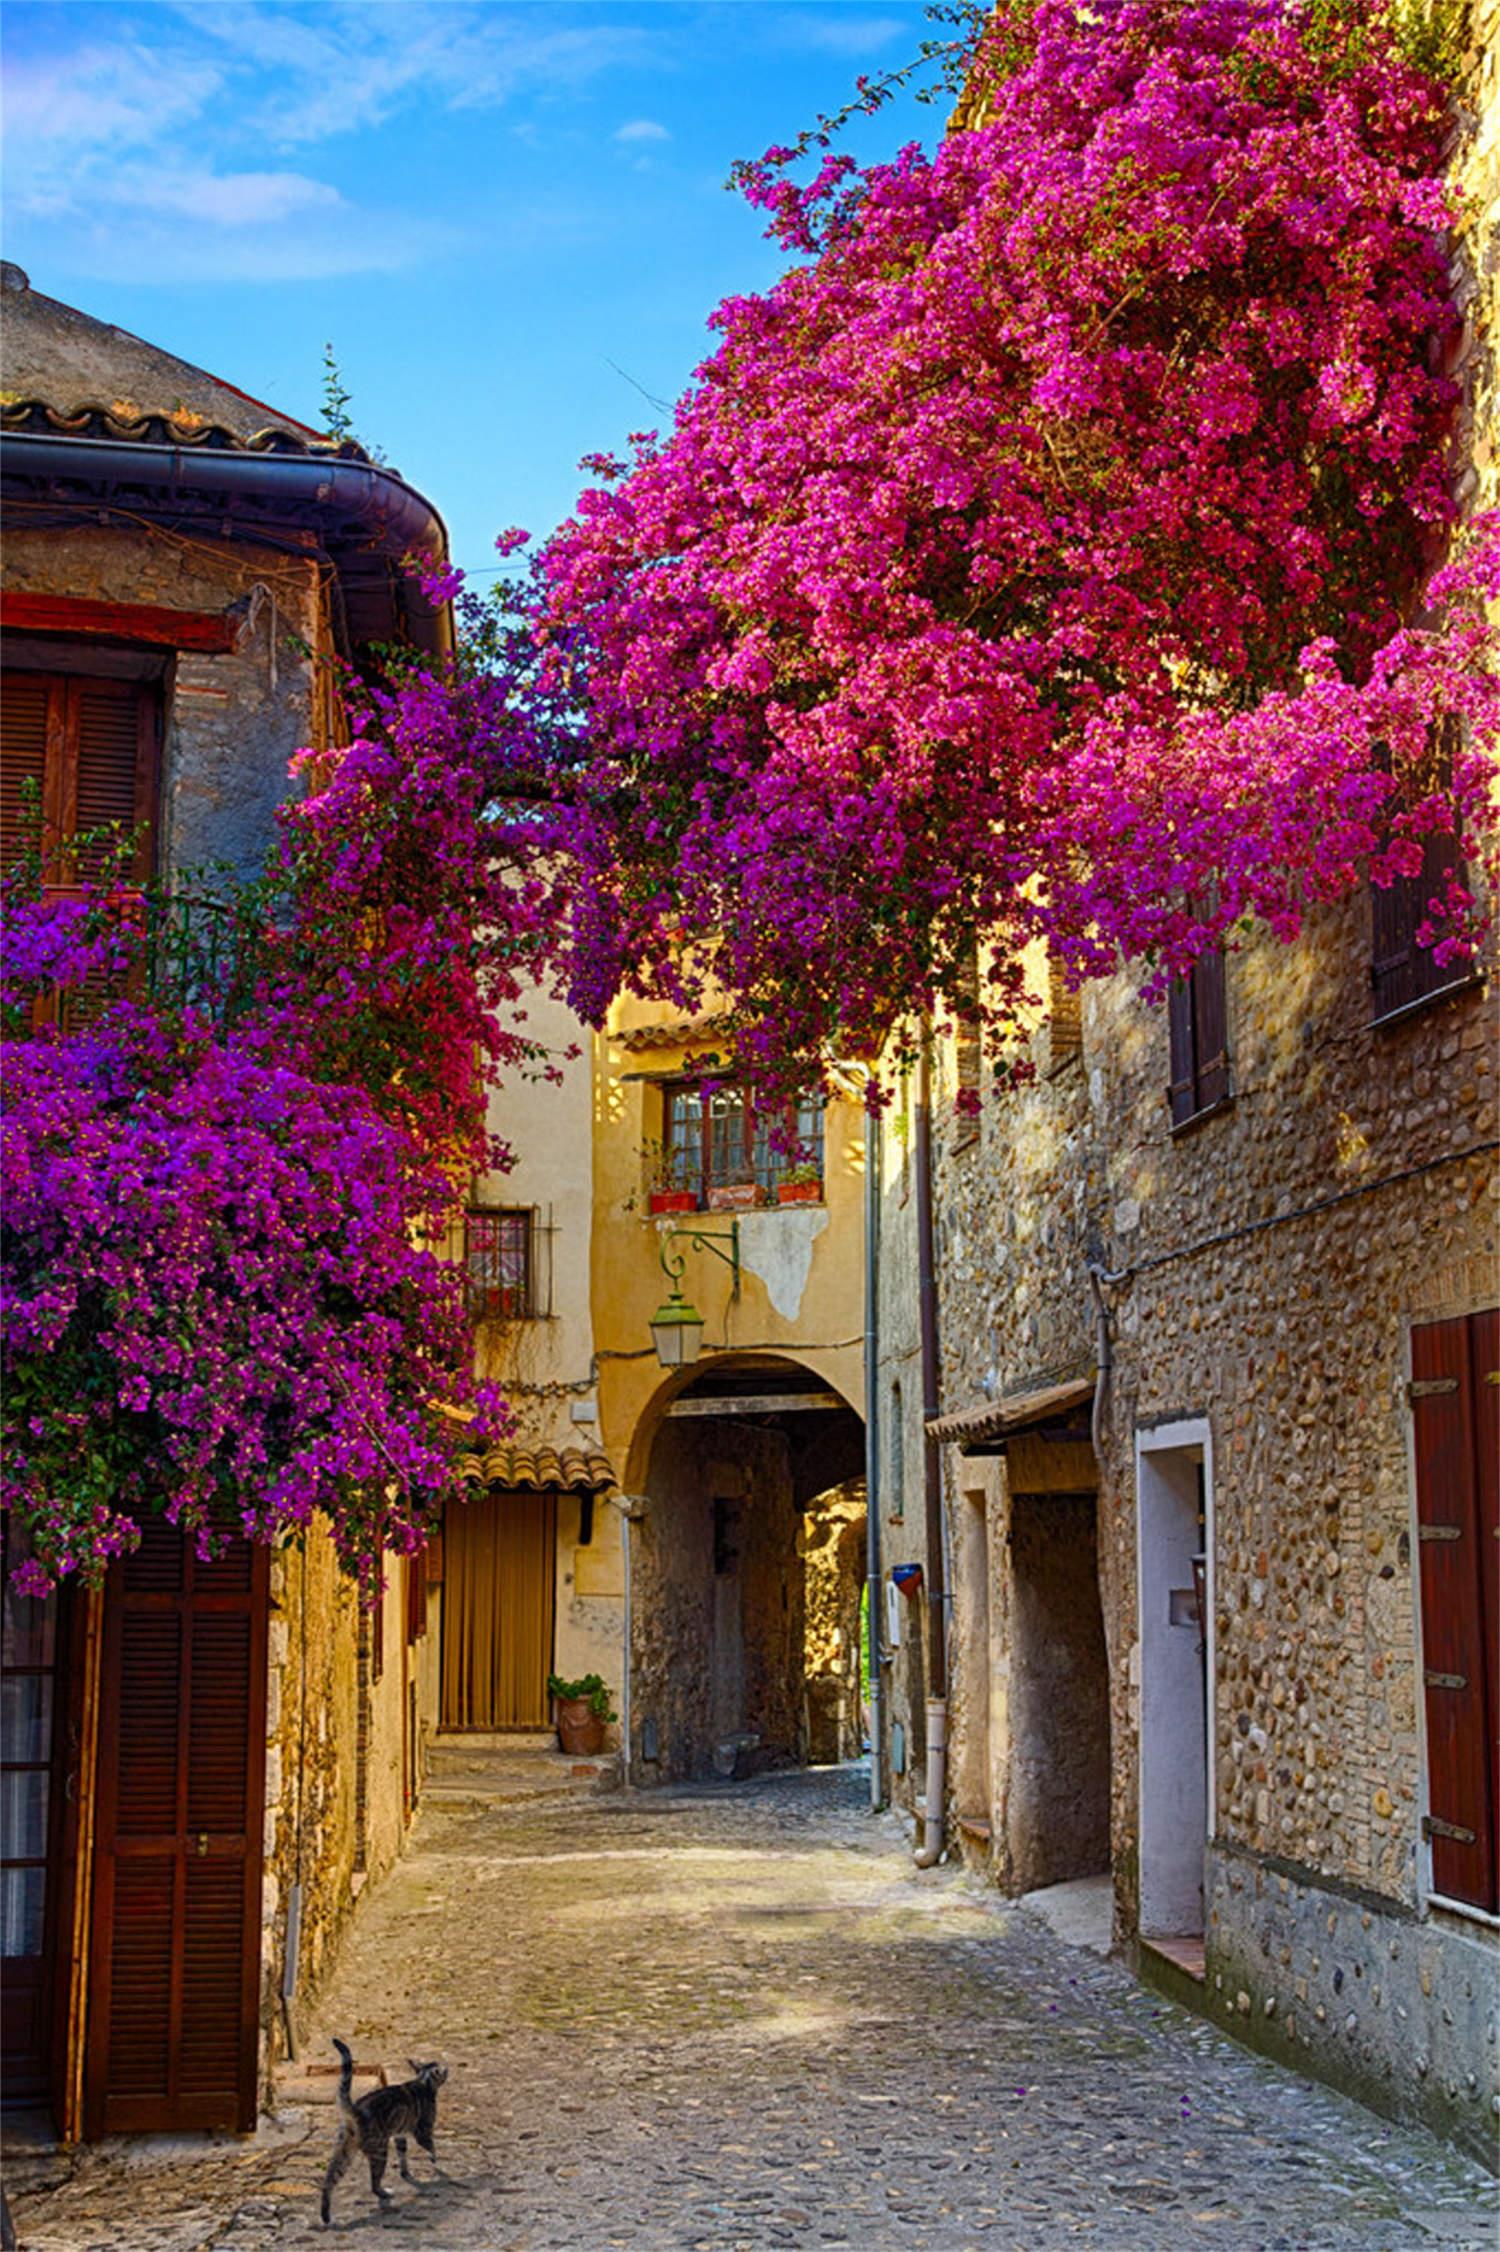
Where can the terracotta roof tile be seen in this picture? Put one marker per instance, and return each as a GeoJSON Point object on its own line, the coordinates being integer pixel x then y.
{"type": "Point", "coordinates": [123, 420]}
{"type": "Point", "coordinates": [539, 1469]}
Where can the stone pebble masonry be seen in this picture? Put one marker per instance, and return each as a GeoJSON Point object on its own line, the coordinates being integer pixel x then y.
{"type": "Point", "coordinates": [736, 2017]}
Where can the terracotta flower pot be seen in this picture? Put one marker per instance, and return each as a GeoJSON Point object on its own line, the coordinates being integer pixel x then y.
{"type": "Point", "coordinates": [799, 1192]}
{"type": "Point", "coordinates": [579, 1728]}
{"type": "Point", "coordinates": [734, 1196]}
{"type": "Point", "coordinates": [673, 1200]}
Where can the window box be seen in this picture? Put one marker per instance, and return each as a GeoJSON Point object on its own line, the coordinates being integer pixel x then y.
{"type": "Point", "coordinates": [734, 1196]}
{"type": "Point", "coordinates": [799, 1192]}
{"type": "Point", "coordinates": [673, 1200]}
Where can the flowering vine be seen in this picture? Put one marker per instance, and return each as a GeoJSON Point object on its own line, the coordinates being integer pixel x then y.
{"type": "Point", "coordinates": [227, 1190]}
{"type": "Point", "coordinates": [1041, 551]}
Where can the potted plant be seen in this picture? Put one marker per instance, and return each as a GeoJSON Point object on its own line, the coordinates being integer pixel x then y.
{"type": "Point", "coordinates": [733, 1196]}
{"type": "Point", "coordinates": [801, 1184]}
{"type": "Point", "coordinates": [583, 1713]}
{"type": "Point", "coordinates": [666, 1190]}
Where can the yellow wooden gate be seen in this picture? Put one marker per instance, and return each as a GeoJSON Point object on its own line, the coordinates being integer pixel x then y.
{"type": "Point", "coordinates": [497, 1610]}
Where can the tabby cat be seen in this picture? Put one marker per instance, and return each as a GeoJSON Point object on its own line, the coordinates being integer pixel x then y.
{"type": "Point", "coordinates": [370, 2124]}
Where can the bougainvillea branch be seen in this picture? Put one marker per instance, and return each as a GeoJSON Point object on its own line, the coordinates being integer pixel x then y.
{"type": "Point", "coordinates": [227, 1188]}
{"type": "Point", "coordinates": [1042, 549]}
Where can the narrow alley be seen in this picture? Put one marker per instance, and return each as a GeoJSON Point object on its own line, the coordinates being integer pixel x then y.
{"type": "Point", "coordinates": [736, 2017]}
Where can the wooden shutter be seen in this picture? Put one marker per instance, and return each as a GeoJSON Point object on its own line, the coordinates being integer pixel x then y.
{"type": "Point", "coordinates": [1401, 971]}
{"type": "Point", "coordinates": [1182, 1084]}
{"type": "Point", "coordinates": [114, 778]}
{"type": "Point", "coordinates": [92, 747]}
{"type": "Point", "coordinates": [1456, 1575]}
{"type": "Point", "coordinates": [28, 705]}
{"type": "Point", "coordinates": [175, 1976]}
{"type": "Point", "coordinates": [1210, 1040]}
{"type": "Point", "coordinates": [1197, 1017]}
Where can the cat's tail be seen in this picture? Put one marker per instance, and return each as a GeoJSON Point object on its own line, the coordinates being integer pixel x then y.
{"type": "Point", "coordinates": [346, 2079]}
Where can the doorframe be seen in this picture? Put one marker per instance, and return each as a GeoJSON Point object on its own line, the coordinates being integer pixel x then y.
{"type": "Point", "coordinates": [1182, 1436]}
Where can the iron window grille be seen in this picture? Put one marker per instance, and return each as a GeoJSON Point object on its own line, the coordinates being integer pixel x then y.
{"type": "Point", "coordinates": [506, 1264]}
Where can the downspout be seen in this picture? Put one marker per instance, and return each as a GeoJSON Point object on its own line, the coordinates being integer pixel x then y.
{"type": "Point", "coordinates": [931, 1848]}
{"type": "Point", "coordinates": [874, 1624]}
{"type": "Point", "coordinates": [1104, 1349]}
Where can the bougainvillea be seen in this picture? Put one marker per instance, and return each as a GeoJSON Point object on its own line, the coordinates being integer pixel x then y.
{"type": "Point", "coordinates": [226, 1190]}
{"type": "Point", "coordinates": [1039, 553]}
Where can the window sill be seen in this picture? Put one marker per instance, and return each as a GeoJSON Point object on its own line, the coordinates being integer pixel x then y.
{"type": "Point", "coordinates": [1391, 1019]}
{"type": "Point", "coordinates": [1200, 1117]}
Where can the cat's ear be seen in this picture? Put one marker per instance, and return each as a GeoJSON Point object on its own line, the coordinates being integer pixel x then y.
{"type": "Point", "coordinates": [417, 2070]}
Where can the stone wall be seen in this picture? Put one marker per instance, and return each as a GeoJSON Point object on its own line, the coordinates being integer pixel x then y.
{"type": "Point", "coordinates": [717, 1604]}
{"type": "Point", "coordinates": [335, 1813]}
{"type": "Point", "coordinates": [832, 1546]}
{"type": "Point", "coordinates": [233, 721]}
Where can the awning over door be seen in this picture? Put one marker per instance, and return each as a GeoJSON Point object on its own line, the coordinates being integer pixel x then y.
{"type": "Point", "coordinates": [514, 1469]}
{"type": "Point", "coordinates": [1052, 1410]}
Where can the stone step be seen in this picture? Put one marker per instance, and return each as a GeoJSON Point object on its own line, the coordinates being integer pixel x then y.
{"type": "Point", "coordinates": [515, 1779]}
{"type": "Point", "coordinates": [474, 1741]}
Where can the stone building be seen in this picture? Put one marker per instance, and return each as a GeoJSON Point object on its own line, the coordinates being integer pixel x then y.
{"type": "Point", "coordinates": [1216, 1430]}
{"type": "Point", "coordinates": [205, 1761]}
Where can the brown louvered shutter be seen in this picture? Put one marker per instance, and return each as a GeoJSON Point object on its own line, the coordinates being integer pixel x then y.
{"type": "Point", "coordinates": [28, 704]}
{"type": "Point", "coordinates": [1456, 1577]}
{"type": "Point", "coordinates": [174, 2025]}
{"type": "Point", "coordinates": [1182, 1084]}
{"type": "Point", "coordinates": [1210, 1039]}
{"type": "Point", "coordinates": [1401, 971]}
{"type": "Point", "coordinates": [109, 725]}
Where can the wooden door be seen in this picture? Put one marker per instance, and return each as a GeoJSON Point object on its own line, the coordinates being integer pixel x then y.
{"type": "Point", "coordinates": [174, 2015]}
{"type": "Point", "coordinates": [497, 1610]}
{"type": "Point", "coordinates": [1456, 1419]}
{"type": "Point", "coordinates": [31, 1911]}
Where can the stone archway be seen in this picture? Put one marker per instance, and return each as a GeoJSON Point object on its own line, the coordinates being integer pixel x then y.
{"type": "Point", "coordinates": [720, 1660]}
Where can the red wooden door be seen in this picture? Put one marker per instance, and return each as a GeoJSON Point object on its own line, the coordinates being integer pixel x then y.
{"type": "Point", "coordinates": [174, 2018]}
{"type": "Point", "coordinates": [1456, 1419]}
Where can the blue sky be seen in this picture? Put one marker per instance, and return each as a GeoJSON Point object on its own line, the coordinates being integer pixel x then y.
{"type": "Point", "coordinates": [483, 204]}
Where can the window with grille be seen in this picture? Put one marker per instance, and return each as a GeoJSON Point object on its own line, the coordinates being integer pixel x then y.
{"type": "Point", "coordinates": [500, 1264]}
{"type": "Point", "coordinates": [716, 1138]}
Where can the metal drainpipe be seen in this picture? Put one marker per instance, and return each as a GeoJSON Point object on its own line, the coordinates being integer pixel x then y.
{"type": "Point", "coordinates": [874, 1627]}
{"type": "Point", "coordinates": [1104, 1350]}
{"type": "Point", "coordinates": [930, 1850]}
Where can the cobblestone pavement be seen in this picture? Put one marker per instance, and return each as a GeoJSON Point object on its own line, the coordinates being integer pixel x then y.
{"type": "Point", "coordinates": [738, 2019]}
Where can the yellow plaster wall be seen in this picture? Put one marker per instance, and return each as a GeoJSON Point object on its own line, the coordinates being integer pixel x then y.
{"type": "Point", "coordinates": [801, 1288]}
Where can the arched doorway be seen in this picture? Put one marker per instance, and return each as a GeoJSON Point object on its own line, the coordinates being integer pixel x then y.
{"type": "Point", "coordinates": [736, 1460]}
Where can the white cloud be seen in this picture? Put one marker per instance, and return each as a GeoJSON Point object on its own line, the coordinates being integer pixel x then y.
{"type": "Point", "coordinates": [227, 199]}
{"type": "Point", "coordinates": [642, 129]}
{"type": "Point", "coordinates": [179, 129]}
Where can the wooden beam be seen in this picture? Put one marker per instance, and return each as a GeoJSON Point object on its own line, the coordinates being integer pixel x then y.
{"type": "Point", "coordinates": [756, 1403]}
{"type": "Point", "coordinates": [208, 630]}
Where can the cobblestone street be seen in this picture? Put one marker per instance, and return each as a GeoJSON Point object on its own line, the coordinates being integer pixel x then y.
{"type": "Point", "coordinates": [739, 2018]}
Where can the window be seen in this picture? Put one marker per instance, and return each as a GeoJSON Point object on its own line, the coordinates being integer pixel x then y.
{"type": "Point", "coordinates": [897, 1508]}
{"type": "Point", "coordinates": [715, 1138]}
{"type": "Point", "coordinates": [88, 747]}
{"type": "Point", "coordinates": [1064, 1026]}
{"type": "Point", "coordinates": [1197, 1016]}
{"type": "Point", "coordinates": [500, 1265]}
{"type": "Point", "coordinates": [1403, 973]}
{"type": "Point", "coordinates": [1455, 1407]}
